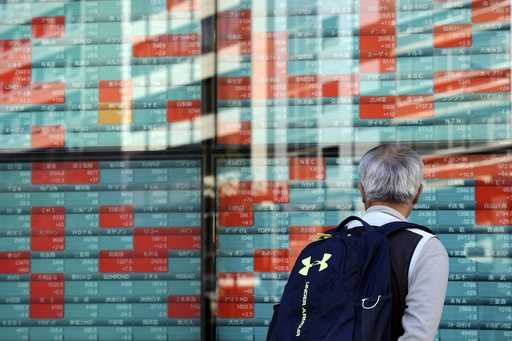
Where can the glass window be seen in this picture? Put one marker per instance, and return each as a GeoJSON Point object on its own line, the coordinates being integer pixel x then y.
{"type": "Point", "coordinates": [163, 162]}
{"type": "Point", "coordinates": [306, 87]}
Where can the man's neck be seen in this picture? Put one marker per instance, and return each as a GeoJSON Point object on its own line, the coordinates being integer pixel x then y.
{"type": "Point", "coordinates": [403, 208]}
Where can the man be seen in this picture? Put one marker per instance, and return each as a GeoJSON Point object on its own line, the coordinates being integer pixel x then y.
{"type": "Point", "coordinates": [390, 184]}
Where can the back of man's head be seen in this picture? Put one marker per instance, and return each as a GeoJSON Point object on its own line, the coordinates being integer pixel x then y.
{"type": "Point", "coordinates": [391, 173]}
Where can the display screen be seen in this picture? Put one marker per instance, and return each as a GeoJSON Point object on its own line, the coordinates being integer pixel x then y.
{"type": "Point", "coordinates": [332, 72]}
{"type": "Point", "coordinates": [100, 250]}
{"type": "Point", "coordinates": [99, 74]}
{"type": "Point", "coordinates": [269, 209]}
{"type": "Point", "coordinates": [108, 234]}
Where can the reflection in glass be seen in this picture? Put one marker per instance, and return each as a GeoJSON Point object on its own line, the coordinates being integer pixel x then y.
{"type": "Point", "coordinates": [108, 74]}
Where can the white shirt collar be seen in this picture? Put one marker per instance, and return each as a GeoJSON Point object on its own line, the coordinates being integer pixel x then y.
{"type": "Point", "coordinates": [379, 215]}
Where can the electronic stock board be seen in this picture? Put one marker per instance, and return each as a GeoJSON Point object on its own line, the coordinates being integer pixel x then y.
{"type": "Point", "coordinates": [100, 250]}
{"type": "Point", "coordinates": [110, 250]}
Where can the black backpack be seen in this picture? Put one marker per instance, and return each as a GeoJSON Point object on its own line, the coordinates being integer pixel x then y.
{"type": "Point", "coordinates": [340, 287]}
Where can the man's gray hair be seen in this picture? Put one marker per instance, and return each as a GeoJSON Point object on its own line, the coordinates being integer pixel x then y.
{"type": "Point", "coordinates": [391, 172]}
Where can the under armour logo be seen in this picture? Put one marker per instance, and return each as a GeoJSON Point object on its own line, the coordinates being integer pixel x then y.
{"type": "Point", "coordinates": [308, 265]}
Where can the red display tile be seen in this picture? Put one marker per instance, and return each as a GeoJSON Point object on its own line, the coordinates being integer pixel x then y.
{"type": "Point", "coordinates": [158, 262]}
{"type": "Point", "coordinates": [164, 239]}
{"type": "Point", "coordinates": [235, 310]}
{"type": "Point", "coordinates": [235, 195]}
{"type": "Point", "coordinates": [115, 91]}
{"type": "Point", "coordinates": [17, 51]}
{"type": "Point", "coordinates": [46, 296]}
{"type": "Point", "coordinates": [479, 81]}
{"type": "Point", "coordinates": [228, 219]}
{"type": "Point", "coordinates": [48, 27]}
{"type": "Point", "coordinates": [234, 88]}
{"type": "Point", "coordinates": [183, 110]}
{"type": "Point", "coordinates": [234, 27]}
{"type": "Point", "coordinates": [377, 39]}
{"type": "Point", "coordinates": [15, 262]}
{"type": "Point", "coordinates": [72, 173]}
{"type": "Point", "coordinates": [490, 11]}
{"type": "Point", "coordinates": [241, 195]}
{"type": "Point", "coordinates": [236, 295]}
{"type": "Point", "coordinates": [48, 228]}
{"type": "Point", "coordinates": [494, 197]}
{"type": "Point", "coordinates": [46, 311]}
{"type": "Point", "coordinates": [47, 244]}
{"type": "Point", "coordinates": [385, 107]}
{"type": "Point", "coordinates": [454, 167]}
{"type": "Point", "coordinates": [177, 242]}
{"type": "Point", "coordinates": [271, 260]}
{"type": "Point", "coordinates": [12, 78]}
{"type": "Point", "coordinates": [300, 236]}
{"type": "Point", "coordinates": [236, 285]}
{"type": "Point", "coordinates": [150, 239]}
{"type": "Point", "coordinates": [182, 5]}
{"type": "Point", "coordinates": [453, 35]}
{"type": "Point", "coordinates": [116, 216]}
{"type": "Point", "coordinates": [178, 45]}
{"type": "Point", "coordinates": [492, 203]}
{"type": "Point", "coordinates": [188, 306]}
{"type": "Point", "coordinates": [479, 167]}
{"type": "Point", "coordinates": [415, 106]}
{"type": "Point", "coordinates": [494, 217]}
{"type": "Point", "coordinates": [39, 93]}
{"type": "Point", "coordinates": [377, 47]}
{"type": "Point", "coordinates": [236, 200]}
{"type": "Point", "coordinates": [47, 288]}
{"type": "Point", "coordinates": [82, 176]}
{"type": "Point", "coordinates": [130, 261]}
{"type": "Point", "coordinates": [48, 136]}
{"type": "Point", "coordinates": [307, 168]}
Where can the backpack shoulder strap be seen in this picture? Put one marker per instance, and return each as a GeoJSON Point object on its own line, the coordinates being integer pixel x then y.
{"type": "Point", "coordinates": [342, 225]}
{"type": "Point", "coordinates": [395, 226]}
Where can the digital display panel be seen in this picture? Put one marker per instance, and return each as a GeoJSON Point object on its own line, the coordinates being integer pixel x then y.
{"type": "Point", "coordinates": [112, 250]}
{"type": "Point", "coordinates": [269, 209]}
{"type": "Point", "coordinates": [99, 74]}
{"type": "Point", "coordinates": [333, 72]}
{"type": "Point", "coordinates": [100, 250]}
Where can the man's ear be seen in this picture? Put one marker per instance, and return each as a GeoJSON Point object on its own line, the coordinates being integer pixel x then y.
{"type": "Point", "coordinates": [363, 193]}
{"type": "Point", "coordinates": [417, 196]}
